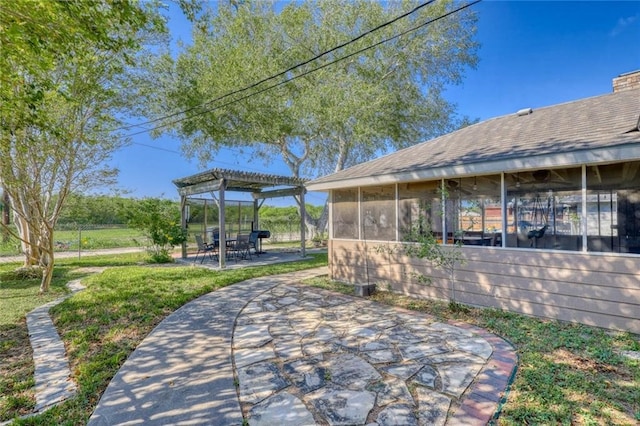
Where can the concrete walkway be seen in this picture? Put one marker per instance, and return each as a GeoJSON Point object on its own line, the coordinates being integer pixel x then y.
{"type": "Point", "coordinates": [269, 351]}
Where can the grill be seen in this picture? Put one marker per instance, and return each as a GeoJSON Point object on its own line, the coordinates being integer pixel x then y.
{"type": "Point", "coordinates": [262, 233]}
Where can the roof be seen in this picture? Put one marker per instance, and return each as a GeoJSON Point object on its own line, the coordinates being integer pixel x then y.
{"type": "Point", "coordinates": [598, 129]}
{"type": "Point", "coordinates": [235, 180]}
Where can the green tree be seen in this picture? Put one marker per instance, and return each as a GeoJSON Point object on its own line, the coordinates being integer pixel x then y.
{"type": "Point", "coordinates": [387, 97]}
{"type": "Point", "coordinates": [160, 221]}
{"type": "Point", "coordinates": [62, 72]}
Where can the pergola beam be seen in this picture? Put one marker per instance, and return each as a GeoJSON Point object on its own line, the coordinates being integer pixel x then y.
{"type": "Point", "coordinates": [200, 188]}
{"type": "Point", "coordinates": [277, 193]}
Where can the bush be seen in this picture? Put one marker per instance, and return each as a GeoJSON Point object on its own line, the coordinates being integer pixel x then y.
{"type": "Point", "coordinates": [159, 220]}
{"type": "Point", "coordinates": [23, 273]}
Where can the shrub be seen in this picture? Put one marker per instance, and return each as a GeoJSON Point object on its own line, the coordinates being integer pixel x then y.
{"type": "Point", "coordinates": [159, 220]}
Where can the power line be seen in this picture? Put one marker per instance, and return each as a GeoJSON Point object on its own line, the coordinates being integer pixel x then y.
{"type": "Point", "coordinates": [172, 151]}
{"type": "Point", "coordinates": [307, 72]}
{"type": "Point", "coordinates": [280, 74]}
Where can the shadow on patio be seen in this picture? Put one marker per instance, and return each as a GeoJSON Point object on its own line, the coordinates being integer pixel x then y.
{"type": "Point", "coordinates": [269, 257]}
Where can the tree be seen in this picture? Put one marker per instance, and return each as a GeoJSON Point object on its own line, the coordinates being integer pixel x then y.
{"type": "Point", "coordinates": [160, 221]}
{"type": "Point", "coordinates": [387, 97]}
{"type": "Point", "coordinates": [62, 71]}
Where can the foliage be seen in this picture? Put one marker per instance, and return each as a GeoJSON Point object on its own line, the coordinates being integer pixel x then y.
{"type": "Point", "coordinates": [95, 209]}
{"type": "Point", "coordinates": [419, 243]}
{"type": "Point", "coordinates": [567, 374]}
{"type": "Point", "coordinates": [332, 118]}
{"type": "Point", "coordinates": [101, 325]}
{"type": "Point", "coordinates": [386, 97]}
{"type": "Point", "coordinates": [62, 87]}
{"type": "Point", "coordinates": [160, 221]}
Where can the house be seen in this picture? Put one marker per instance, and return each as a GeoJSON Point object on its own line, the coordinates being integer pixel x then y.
{"type": "Point", "coordinates": [544, 203]}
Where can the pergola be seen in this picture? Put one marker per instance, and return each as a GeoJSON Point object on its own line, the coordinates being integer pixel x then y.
{"type": "Point", "coordinates": [261, 186]}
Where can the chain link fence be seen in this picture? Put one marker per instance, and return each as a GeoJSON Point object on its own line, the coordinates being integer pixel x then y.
{"type": "Point", "coordinates": [86, 237]}
{"type": "Point", "coordinates": [83, 237]}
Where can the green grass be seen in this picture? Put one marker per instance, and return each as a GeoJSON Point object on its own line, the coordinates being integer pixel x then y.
{"type": "Point", "coordinates": [568, 374]}
{"type": "Point", "coordinates": [101, 325]}
{"type": "Point", "coordinates": [92, 239]}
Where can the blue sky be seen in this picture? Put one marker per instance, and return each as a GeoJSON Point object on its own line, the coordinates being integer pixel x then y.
{"type": "Point", "coordinates": [533, 54]}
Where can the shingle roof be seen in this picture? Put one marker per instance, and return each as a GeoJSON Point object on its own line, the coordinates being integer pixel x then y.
{"type": "Point", "coordinates": [598, 122]}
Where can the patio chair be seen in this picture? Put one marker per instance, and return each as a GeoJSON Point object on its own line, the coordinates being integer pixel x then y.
{"type": "Point", "coordinates": [242, 246]}
{"type": "Point", "coordinates": [204, 248]}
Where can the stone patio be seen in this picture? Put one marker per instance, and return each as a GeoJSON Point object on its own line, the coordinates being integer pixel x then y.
{"type": "Point", "coordinates": [308, 356]}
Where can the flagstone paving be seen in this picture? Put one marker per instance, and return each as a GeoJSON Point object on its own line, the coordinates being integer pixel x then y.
{"type": "Point", "coordinates": [309, 356]}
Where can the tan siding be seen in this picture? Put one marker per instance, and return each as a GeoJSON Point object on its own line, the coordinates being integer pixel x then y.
{"type": "Point", "coordinates": [594, 289]}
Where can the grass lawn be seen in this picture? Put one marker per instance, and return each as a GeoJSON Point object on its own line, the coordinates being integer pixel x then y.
{"type": "Point", "coordinates": [567, 374]}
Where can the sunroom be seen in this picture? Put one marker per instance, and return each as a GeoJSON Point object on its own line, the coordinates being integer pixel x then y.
{"type": "Point", "coordinates": [543, 204]}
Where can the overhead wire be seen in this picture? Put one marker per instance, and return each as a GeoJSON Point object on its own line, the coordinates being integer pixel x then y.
{"type": "Point", "coordinates": [284, 72]}
{"type": "Point", "coordinates": [415, 28]}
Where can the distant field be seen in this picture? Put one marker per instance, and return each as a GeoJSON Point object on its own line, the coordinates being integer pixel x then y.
{"type": "Point", "coordinates": [87, 239]}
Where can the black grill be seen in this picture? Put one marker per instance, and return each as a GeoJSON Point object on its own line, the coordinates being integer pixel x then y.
{"type": "Point", "coordinates": [263, 234]}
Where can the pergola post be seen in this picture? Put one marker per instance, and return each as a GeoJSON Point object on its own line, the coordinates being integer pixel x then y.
{"type": "Point", "coordinates": [222, 249]}
{"type": "Point", "coordinates": [255, 226]}
{"type": "Point", "coordinates": [303, 226]}
{"type": "Point", "coordinates": [183, 222]}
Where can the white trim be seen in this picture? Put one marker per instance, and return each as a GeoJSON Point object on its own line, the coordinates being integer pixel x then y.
{"type": "Point", "coordinates": [359, 195]}
{"type": "Point", "coordinates": [330, 218]}
{"type": "Point", "coordinates": [583, 210]}
{"type": "Point", "coordinates": [503, 209]}
{"type": "Point", "coordinates": [397, 212]}
{"type": "Point", "coordinates": [443, 212]}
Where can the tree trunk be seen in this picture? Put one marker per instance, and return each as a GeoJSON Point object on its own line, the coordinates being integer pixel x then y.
{"type": "Point", "coordinates": [323, 221]}
{"type": "Point", "coordinates": [5, 216]}
{"type": "Point", "coordinates": [46, 260]}
{"type": "Point", "coordinates": [324, 218]}
{"type": "Point", "coordinates": [28, 241]}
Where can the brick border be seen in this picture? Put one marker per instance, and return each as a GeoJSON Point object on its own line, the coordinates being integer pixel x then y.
{"type": "Point", "coordinates": [482, 400]}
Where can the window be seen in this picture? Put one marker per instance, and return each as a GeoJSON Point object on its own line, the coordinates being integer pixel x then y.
{"type": "Point", "coordinates": [474, 213]}
{"type": "Point", "coordinates": [544, 209]}
{"type": "Point", "coordinates": [613, 207]}
{"type": "Point", "coordinates": [420, 208]}
{"type": "Point", "coordinates": [378, 209]}
{"type": "Point", "coordinates": [345, 213]}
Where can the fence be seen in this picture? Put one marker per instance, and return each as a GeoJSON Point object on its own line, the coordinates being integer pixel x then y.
{"type": "Point", "coordinates": [74, 237]}
{"type": "Point", "coordinates": [79, 238]}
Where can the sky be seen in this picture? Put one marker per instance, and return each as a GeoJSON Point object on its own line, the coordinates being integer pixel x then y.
{"type": "Point", "coordinates": [533, 54]}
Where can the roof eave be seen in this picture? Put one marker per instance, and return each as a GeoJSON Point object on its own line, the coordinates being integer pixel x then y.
{"type": "Point", "coordinates": [575, 158]}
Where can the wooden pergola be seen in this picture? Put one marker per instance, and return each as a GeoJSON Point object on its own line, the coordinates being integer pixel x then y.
{"type": "Point", "coordinates": [261, 186]}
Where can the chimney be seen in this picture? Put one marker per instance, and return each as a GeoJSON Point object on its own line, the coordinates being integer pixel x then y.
{"type": "Point", "coordinates": [626, 81]}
